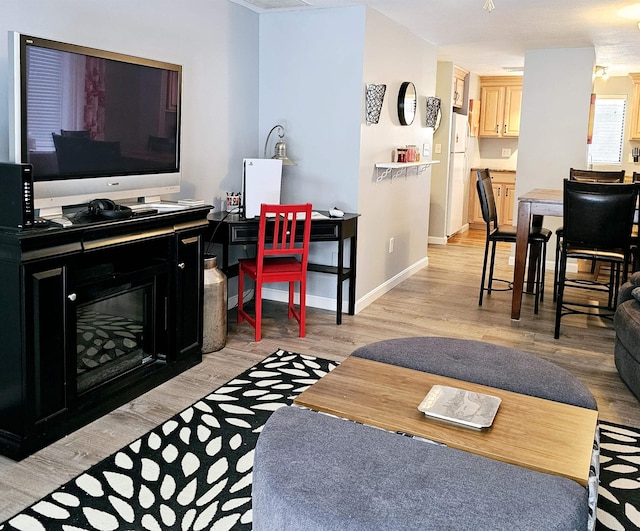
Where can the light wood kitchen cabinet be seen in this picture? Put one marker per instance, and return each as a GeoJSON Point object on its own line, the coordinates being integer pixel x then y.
{"type": "Point", "coordinates": [508, 202]}
{"type": "Point", "coordinates": [459, 79]}
{"type": "Point", "coordinates": [504, 186]}
{"type": "Point", "coordinates": [501, 100]}
{"type": "Point", "coordinates": [634, 128]}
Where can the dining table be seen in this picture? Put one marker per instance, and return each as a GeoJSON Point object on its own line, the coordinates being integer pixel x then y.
{"type": "Point", "coordinates": [532, 207]}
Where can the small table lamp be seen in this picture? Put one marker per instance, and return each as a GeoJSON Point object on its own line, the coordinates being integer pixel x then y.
{"type": "Point", "coordinates": [280, 151]}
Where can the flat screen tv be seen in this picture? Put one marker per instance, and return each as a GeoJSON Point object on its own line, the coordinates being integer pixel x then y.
{"type": "Point", "coordinates": [94, 124]}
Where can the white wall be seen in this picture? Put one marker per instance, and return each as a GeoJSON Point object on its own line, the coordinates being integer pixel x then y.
{"type": "Point", "coordinates": [310, 82]}
{"type": "Point", "coordinates": [397, 208]}
{"type": "Point", "coordinates": [314, 66]}
{"type": "Point", "coordinates": [554, 121]}
{"type": "Point", "coordinates": [216, 43]}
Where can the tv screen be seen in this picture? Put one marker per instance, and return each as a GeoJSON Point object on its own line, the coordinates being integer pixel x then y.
{"type": "Point", "coordinates": [94, 123]}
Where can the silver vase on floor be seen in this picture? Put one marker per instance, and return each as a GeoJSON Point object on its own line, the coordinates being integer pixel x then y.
{"type": "Point", "coordinates": [214, 328]}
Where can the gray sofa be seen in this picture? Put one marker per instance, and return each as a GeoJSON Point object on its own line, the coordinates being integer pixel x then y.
{"type": "Point", "coordinates": [627, 325]}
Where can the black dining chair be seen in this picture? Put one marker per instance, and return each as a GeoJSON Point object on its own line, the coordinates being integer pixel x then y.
{"type": "Point", "coordinates": [597, 221]}
{"type": "Point", "coordinates": [507, 233]}
{"type": "Point", "coordinates": [635, 235]}
{"type": "Point", "coordinates": [585, 176]}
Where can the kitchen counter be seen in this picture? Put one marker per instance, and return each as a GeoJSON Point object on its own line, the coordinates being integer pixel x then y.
{"type": "Point", "coordinates": [494, 170]}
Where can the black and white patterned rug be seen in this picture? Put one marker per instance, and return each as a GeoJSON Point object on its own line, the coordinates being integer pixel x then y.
{"type": "Point", "coordinates": [619, 491]}
{"type": "Point", "coordinates": [193, 472]}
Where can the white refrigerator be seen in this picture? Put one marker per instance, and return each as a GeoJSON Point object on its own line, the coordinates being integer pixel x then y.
{"type": "Point", "coordinates": [457, 173]}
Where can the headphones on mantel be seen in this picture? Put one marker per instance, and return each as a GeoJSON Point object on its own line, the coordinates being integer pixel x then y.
{"type": "Point", "coordinates": [105, 208]}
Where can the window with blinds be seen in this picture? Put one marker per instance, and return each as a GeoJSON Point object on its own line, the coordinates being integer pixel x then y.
{"type": "Point", "coordinates": [608, 130]}
{"type": "Point", "coordinates": [44, 99]}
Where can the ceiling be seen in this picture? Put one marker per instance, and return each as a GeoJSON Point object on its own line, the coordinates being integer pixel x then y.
{"type": "Point", "coordinates": [493, 43]}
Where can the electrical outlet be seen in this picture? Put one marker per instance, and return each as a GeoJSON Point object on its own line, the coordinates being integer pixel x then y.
{"type": "Point", "coordinates": [426, 150]}
{"type": "Point", "coordinates": [390, 245]}
{"type": "Point", "coordinates": [506, 152]}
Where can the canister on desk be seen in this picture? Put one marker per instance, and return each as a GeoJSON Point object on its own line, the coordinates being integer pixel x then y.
{"type": "Point", "coordinates": [411, 153]}
{"type": "Point", "coordinates": [234, 200]}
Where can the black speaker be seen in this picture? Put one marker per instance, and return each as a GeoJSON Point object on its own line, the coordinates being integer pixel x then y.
{"type": "Point", "coordinates": [16, 195]}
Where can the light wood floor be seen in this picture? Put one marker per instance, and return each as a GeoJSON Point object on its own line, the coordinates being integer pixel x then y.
{"type": "Point", "coordinates": [441, 299]}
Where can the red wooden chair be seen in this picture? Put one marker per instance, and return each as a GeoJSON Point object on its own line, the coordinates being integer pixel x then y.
{"type": "Point", "coordinates": [282, 256]}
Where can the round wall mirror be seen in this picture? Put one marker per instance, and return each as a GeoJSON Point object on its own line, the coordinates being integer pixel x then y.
{"type": "Point", "coordinates": [407, 103]}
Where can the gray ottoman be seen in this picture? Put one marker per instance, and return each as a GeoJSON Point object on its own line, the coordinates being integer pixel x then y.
{"type": "Point", "coordinates": [482, 363]}
{"type": "Point", "coordinates": [313, 471]}
{"type": "Point", "coordinates": [317, 472]}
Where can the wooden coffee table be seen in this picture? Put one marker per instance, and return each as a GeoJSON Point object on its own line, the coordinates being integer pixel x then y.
{"type": "Point", "coordinates": [531, 432]}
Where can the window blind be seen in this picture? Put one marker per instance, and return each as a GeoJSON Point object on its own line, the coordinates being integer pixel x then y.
{"type": "Point", "coordinates": [44, 100]}
{"type": "Point", "coordinates": [608, 130]}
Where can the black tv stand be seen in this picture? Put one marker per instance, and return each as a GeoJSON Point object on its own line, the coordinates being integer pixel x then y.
{"type": "Point", "coordinates": [149, 268]}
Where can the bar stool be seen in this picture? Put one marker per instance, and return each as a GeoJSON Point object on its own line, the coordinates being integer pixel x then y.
{"type": "Point", "coordinates": [597, 221]}
{"type": "Point", "coordinates": [538, 237]}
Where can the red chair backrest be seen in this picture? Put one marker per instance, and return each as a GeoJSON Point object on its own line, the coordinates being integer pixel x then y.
{"type": "Point", "coordinates": [284, 231]}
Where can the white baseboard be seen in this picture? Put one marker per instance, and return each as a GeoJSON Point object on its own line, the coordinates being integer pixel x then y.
{"type": "Point", "coordinates": [232, 301]}
{"type": "Point", "coordinates": [378, 292]}
{"type": "Point", "coordinates": [329, 303]}
{"type": "Point", "coordinates": [439, 240]}
{"type": "Point", "coordinates": [313, 301]}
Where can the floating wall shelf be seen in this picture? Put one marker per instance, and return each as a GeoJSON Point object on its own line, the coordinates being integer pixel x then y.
{"type": "Point", "coordinates": [400, 169]}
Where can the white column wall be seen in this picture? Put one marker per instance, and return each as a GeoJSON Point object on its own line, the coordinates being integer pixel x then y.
{"type": "Point", "coordinates": [556, 95]}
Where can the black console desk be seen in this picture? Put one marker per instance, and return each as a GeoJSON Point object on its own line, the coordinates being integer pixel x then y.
{"type": "Point", "coordinates": [232, 229]}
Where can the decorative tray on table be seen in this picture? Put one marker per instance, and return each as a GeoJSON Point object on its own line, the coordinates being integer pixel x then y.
{"type": "Point", "coordinates": [466, 408]}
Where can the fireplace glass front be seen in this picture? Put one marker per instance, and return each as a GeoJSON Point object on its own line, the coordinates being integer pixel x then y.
{"type": "Point", "coordinates": [120, 324]}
